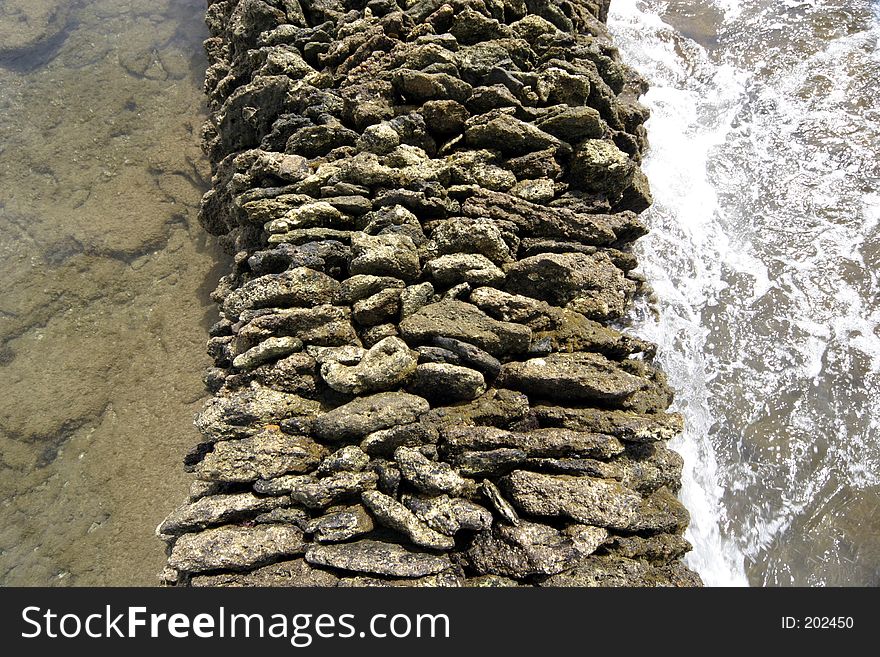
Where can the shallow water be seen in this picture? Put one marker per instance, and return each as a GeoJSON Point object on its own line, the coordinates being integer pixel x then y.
{"type": "Point", "coordinates": [764, 252]}
{"type": "Point", "coordinates": [105, 270]}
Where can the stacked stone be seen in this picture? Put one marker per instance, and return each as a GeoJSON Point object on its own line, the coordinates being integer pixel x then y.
{"type": "Point", "coordinates": [417, 378]}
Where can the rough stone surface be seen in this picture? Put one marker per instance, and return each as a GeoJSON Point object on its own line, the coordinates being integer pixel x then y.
{"type": "Point", "coordinates": [377, 558]}
{"type": "Point", "coordinates": [235, 548]}
{"type": "Point", "coordinates": [430, 210]}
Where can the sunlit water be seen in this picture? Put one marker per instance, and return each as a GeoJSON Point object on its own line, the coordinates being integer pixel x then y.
{"type": "Point", "coordinates": [104, 270]}
{"type": "Point", "coordinates": [764, 254]}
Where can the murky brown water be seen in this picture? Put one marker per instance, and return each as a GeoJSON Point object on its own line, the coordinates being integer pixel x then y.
{"type": "Point", "coordinates": [106, 272]}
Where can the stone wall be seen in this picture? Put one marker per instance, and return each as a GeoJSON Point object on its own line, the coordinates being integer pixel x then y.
{"type": "Point", "coordinates": [418, 380]}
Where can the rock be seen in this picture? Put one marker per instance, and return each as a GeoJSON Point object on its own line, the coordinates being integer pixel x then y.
{"type": "Point", "coordinates": [637, 197]}
{"type": "Point", "coordinates": [284, 515]}
{"type": "Point", "coordinates": [599, 166]}
{"type": "Point", "coordinates": [471, 268]}
{"type": "Point", "coordinates": [235, 548]}
{"type": "Point", "coordinates": [385, 441]}
{"type": "Point", "coordinates": [614, 571]}
{"type": "Point", "coordinates": [469, 26]}
{"type": "Point", "coordinates": [379, 558]}
{"type": "Point", "coordinates": [246, 411]}
{"type": "Point", "coordinates": [463, 321]}
{"type": "Point", "coordinates": [448, 515]}
{"type": "Point", "coordinates": [661, 513]}
{"type": "Point", "coordinates": [414, 298]}
{"type": "Point", "coordinates": [382, 307]}
{"type": "Point", "coordinates": [499, 408]}
{"type": "Point", "coordinates": [297, 287]}
{"type": "Point", "coordinates": [537, 443]}
{"type": "Point", "coordinates": [347, 459]}
{"type": "Point", "coordinates": [499, 130]}
{"type": "Point", "coordinates": [530, 549]}
{"type": "Point", "coordinates": [344, 355]}
{"type": "Point", "coordinates": [627, 426]}
{"type": "Point", "coordinates": [384, 366]}
{"type": "Point", "coordinates": [649, 467]}
{"type": "Point", "coordinates": [316, 493]}
{"type": "Point", "coordinates": [445, 117]}
{"type": "Point", "coordinates": [366, 415]}
{"type": "Point", "coordinates": [559, 278]}
{"type": "Point", "coordinates": [502, 506]}
{"type": "Point", "coordinates": [341, 525]}
{"type": "Point", "coordinates": [573, 124]}
{"type": "Point", "coordinates": [536, 220]}
{"type": "Point", "coordinates": [578, 376]}
{"type": "Point", "coordinates": [361, 286]}
{"type": "Point", "coordinates": [385, 255]}
{"type": "Point", "coordinates": [418, 87]}
{"type": "Point", "coordinates": [583, 499]}
{"type": "Point", "coordinates": [295, 573]}
{"type": "Point", "coordinates": [318, 214]}
{"type": "Point", "coordinates": [431, 477]}
{"type": "Point", "coordinates": [471, 355]}
{"type": "Point", "coordinates": [214, 510]}
{"type": "Point", "coordinates": [268, 349]}
{"type": "Point", "coordinates": [661, 548]}
{"type": "Point", "coordinates": [460, 235]}
{"type": "Point", "coordinates": [542, 190]}
{"type": "Point", "coordinates": [395, 515]}
{"type": "Point", "coordinates": [267, 454]}
{"type": "Point", "coordinates": [324, 325]}
{"type": "Point", "coordinates": [441, 382]}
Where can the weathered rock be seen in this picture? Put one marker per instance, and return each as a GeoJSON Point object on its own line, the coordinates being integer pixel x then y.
{"type": "Point", "coordinates": [267, 454]}
{"type": "Point", "coordinates": [431, 477]}
{"type": "Point", "coordinates": [630, 427]}
{"type": "Point", "coordinates": [608, 570]}
{"type": "Point", "coordinates": [441, 382]}
{"type": "Point", "coordinates": [383, 367]}
{"type": "Point", "coordinates": [235, 548]}
{"type": "Point", "coordinates": [347, 459]}
{"type": "Point", "coordinates": [599, 166]}
{"type": "Point", "coordinates": [502, 506]}
{"type": "Point", "coordinates": [297, 287]}
{"type": "Point", "coordinates": [583, 499]}
{"type": "Point", "coordinates": [385, 441]}
{"type": "Point", "coordinates": [448, 515]}
{"type": "Point", "coordinates": [316, 493]}
{"type": "Point", "coordinates": [378, 558]}
{"type": "Point", "coordinates": [471, 355]}
{"type": "Point", "coordinates": [463, 321]}
{"type": "Point", "coordinates": [295, 573]}
{"type": "Point", "coordinates": [244, 412]}
{"type": "Point", "coordinates": [391, 255]}
{"type": "Point", "coordinates": [414, 298]}
{"type": "Point", "coordinates": [537, 443]}
{"type": "Point", "coordinates": [214, 510]}
{"type": "Point", "coordinates": [366, 415]}
{"type": "Point", "coordinates": [268, 349]}
{"type": "Point", "coordinates": [340, 525]}
{"type": "Point", "coordinates": [531, 549]}
{"type": "Point", "coordinates": [380, 308]}
{"type": "Point", "coordinates": [395, 515]}
{"type": "Point", "coordinates": [361, 286]}
{"type": "Point", "coordinates": [497, 129]}
{"type": "Point", "coordinates": [472, 268]}
{"type": "Point", "coordinates": [560, 278]}
{"type": "Point", "coordinates": [462, 235]}
{"type": "Point", "coordinates": [573, 124]}
{"type": "Point", "coordinates": [576, 377]}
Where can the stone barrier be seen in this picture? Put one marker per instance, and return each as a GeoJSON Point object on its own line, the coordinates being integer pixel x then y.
{"type": "Point", "coordinates": [419, 374]}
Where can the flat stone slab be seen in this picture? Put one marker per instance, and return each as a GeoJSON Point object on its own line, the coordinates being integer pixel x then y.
{"type": "Point", "coordinates": [235, 548]}
{"type": "Point", "coordinates": [377, 558]}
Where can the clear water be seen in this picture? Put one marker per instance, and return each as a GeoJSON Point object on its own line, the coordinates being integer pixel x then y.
{"type": "Point", "coordinates": [105, 270]}
{"type": "Point", "coordinates": [764, 254]}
